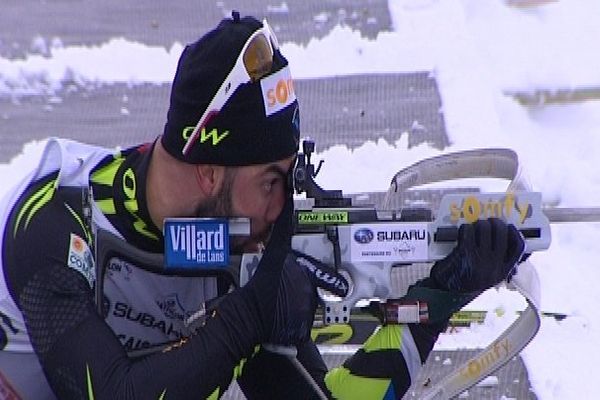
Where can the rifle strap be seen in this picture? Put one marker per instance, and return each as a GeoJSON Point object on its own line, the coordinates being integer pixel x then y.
{"type": "Point", "coordinates": [506, 346]}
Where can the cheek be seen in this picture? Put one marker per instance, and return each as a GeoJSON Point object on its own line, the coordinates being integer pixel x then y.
{"type": "Point", "coordinates": [249, 201]}
{"type": "Point", "coordinates": [276, 204]}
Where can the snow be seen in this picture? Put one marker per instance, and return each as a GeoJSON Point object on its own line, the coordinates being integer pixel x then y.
{"type": "Point", "coordinates": [477, 51]}
{"type": "Point", "coordinates": [491, 380]}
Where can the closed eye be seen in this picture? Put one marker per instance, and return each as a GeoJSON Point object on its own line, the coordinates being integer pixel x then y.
{"type": "Point", "coordinates": [269, 185]}
{"type": "Point", "coordinates": [274, 176]}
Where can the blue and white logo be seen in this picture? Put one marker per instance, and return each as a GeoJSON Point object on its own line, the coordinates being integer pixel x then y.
{"type": "Point", "coordinates": [363, 235]}
{"type": "Point", "coordinates": [196, 242]}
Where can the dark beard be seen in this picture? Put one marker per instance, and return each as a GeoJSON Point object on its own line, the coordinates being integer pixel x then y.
{"type": "Point", "coordinates": [221, 204]}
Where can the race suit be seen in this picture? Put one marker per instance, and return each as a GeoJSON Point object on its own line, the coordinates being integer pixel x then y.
{"type": "Point", "coordinates": [55, 343]}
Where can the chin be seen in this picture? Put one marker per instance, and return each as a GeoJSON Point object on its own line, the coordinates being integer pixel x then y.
{"type": "Point", "coordinates": [254, 243]}
{"type": "Point", "coordinates": [253, 247]}
{"type": "Point", "coordinates": [248, 245]}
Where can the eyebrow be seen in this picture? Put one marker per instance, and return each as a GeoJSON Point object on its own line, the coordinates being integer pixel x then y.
{"type": "Point", "coordinates": [274, 168]}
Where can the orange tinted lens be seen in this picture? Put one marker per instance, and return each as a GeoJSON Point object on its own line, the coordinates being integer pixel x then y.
{"type": "Point", "coordinates": [258, 57]}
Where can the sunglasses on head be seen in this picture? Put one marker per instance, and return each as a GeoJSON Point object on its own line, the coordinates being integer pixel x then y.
{"type": "Point", "coordinates": [254, 62]}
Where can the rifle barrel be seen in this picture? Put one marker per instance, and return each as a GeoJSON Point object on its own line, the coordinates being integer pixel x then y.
{"type": "Point", "coordinates": [573, 214]}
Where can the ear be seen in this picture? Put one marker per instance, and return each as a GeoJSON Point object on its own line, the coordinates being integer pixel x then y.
{"type": "Point", "coordinates": [210, 178]}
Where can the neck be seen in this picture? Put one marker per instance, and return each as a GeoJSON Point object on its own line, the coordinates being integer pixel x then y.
{"type": "Point", "coordinates": [169, 183]}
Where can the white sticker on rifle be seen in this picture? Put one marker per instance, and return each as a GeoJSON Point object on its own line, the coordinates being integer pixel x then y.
{"type": "Point", "coordinates": [397, 242]}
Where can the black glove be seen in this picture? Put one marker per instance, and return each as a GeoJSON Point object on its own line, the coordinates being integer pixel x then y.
{"type": "Point", "coordinates": [297, 297]}
{"type": "Point", "coordinates": [487, 253]}
{"type": "Point", "coordinates": [262, 290]}
{"type": "Point", "coordinates": [278, 303]}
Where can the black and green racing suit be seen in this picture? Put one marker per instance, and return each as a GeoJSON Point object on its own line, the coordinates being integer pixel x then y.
{"type": "Point", "coordinates": [55, 344]}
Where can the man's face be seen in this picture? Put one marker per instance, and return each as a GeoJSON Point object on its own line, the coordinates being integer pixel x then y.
{"type": "Point", "coordinates": [256, 192]}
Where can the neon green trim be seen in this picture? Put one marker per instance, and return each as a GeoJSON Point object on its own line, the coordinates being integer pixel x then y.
{"type": "Point", "coordinates": [106, 175]}
{"type": "Point", "coordinates": [344, 385]}
{"type": "Point", "coordinates": [88, 234]}
{"type": "Point", "coordinates": [388, 337]}
{"type": "Point", "coordinates": [37, 201]}
{"type": "Point", "coordinates": [141, 227]}
{"type": "Point", "coordinates": [90, 389]}
{"type": "Point", "coordinates": [214, 395]}
{"type": "Point", "coordinates": [239, 369]}
{"type": "Point", "coordinates": [37, 206]}
{"type": "Point", "coordinates": [338, 333]}
{"type": "Point", "coordinates": [129, 183]}
{"type": "Point", "coordinates": [131, 205]}
{"type": "Point", "coordinates": [40, 194]}
{"type": "Point", "coordinates": [107, 206]}
{"type": "Point", "coordinates": [30, 201]}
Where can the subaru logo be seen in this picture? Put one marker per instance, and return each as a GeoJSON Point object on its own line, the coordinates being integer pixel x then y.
{"type": "Point", "coordinates": [363, 235]}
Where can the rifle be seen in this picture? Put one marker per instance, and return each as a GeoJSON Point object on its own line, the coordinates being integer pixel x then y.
{"type": "Point", "coordinates": [369, 244]}
{"type": "Point", "coordinates": [372, 244]}
{"type": "Point", "coordinates": [366, 243]}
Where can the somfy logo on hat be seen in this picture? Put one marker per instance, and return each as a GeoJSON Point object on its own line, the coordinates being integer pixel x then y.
{"type": "Point", "coordinates": [278, 91]}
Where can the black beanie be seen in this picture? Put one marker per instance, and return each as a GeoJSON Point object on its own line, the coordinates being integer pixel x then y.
{"type": "Point", "coordinates": [259, 123]}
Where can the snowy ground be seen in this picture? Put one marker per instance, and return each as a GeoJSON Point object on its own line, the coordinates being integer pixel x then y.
{"type": "Point", "coordinates": [477, 51]}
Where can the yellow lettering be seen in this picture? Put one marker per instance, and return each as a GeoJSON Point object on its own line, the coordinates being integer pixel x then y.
{"type": "Point", "coordinates": [455, 212]}
{"type": "Point", "coordinates": [509, 204]}
{"type": "Point", "coordinates": [338, 333]}
{"type": "Point", "coordinates": [471, 209]}
{"type": "Point", "coordinates": [523, 211]}
{"type": "Point", "coordinates": [474, 369]}
{"type": "Point", "coordinates": [187, 132]}
{"type": "Point", "coordinates": [483, 363]}
{"type": "Point", "coordinates": [214, 134]}
{"type": "Point", "coordinates": [487, 360]}
{"type": "Point", "coordinates": [492, 209]}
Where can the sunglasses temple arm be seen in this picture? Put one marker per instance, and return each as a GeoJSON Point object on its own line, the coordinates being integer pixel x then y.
{"type": "Point", "coordinates": [236, 77]}
{"type": "Point", "coordinates": [215, 105]}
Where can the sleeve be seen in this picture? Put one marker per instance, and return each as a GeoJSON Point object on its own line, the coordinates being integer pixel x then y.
{"type": "Point", "coordinates": [382, 369]}
{"type": "Point", "coordinates": [388, 362]}
{"type": "Point", "coordinates": [272, 376]}
{"type": "Point", "coordinates": [79, 353]}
